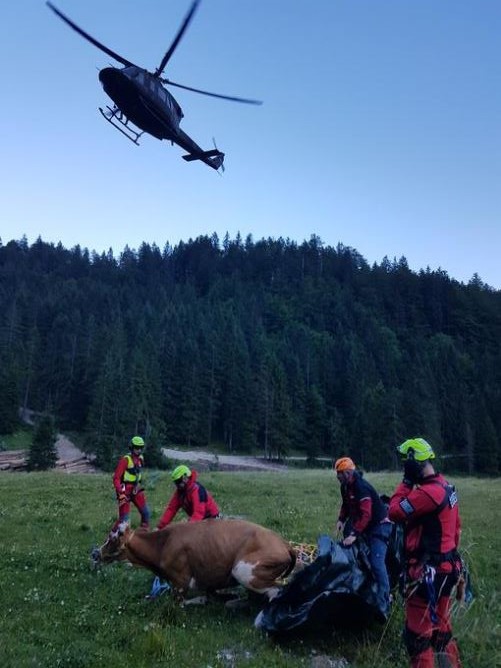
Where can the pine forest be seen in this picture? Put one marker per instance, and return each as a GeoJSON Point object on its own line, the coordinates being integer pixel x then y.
{"type": "Point", "coordinates": [271, 347]}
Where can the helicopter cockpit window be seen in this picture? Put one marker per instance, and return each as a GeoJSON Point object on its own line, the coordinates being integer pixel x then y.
{"type": "Point", "coordinates": [131, 72]}
{"type": "Point", "coordinates": [134, 73]}
{"type": "Point", "coordinates": [163, 94]}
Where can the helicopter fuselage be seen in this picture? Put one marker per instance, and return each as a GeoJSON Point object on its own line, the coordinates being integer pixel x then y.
{"type": "Point", "coordinates": [140, 97]}
{"type": "Point", "coordinates": [143, 100]}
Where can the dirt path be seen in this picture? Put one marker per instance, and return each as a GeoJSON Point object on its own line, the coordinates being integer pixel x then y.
{"type": "Point", "coordinates": [73, 460]}
{"type": "Point", "coordinates": [205, 460]}
{"type": "Point", "coordinates": [66, 450]}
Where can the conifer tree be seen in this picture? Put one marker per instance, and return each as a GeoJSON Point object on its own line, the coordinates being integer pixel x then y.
{"type": "Point", "coordinates": [268, 342]}
{"type": "Point", "coordinates": [9, 399]}
{"type": "Point", "coordinates": [43, 453]}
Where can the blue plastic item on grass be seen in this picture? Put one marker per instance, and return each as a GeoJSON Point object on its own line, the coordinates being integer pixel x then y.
{"type": "Point", "coordinates": [158, 588]}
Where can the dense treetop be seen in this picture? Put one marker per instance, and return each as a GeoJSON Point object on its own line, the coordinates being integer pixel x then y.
{"type": "Point", "coordinates": [266, 345]}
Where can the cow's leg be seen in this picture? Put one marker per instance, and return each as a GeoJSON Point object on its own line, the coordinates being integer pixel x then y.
{"type": "Point", "coordinates": [256, 577]}
{"type": "Point", "coordinates": [196, 600]}
{"type": "Point", "coordinates": [184, 600]}
{"type": "Point", "coordinates": [180, 588]}
{"type": "Point", "coordinates": [184, 590]}
{"type": "Point", "coordinates": [237, 604]}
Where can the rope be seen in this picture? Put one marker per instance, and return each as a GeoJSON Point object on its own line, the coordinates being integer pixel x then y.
{"type": "Point", "coordinates": [306, 554]}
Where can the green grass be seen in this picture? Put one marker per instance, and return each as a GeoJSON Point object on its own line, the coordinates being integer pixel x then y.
{"type": "Point", "coordinates": [57, 611]}
{"type": "Point", "coordinates": [20, 440]}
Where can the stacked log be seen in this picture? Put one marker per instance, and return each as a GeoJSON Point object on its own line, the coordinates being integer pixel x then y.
{"type": "Point", "coordinates": [80, 465]}
{"type": "Point", "coordinates": [12, 460]}
{"type": "Point", "coordinates": [15, 460]}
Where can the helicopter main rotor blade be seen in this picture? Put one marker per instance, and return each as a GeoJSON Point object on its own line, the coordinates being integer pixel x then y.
{"type": "Point", "coordinates": [177, 38]}
{"type": "Point", "coordinates": [206, 92]}
{"type": "Point", "coordinates": [81, 32]}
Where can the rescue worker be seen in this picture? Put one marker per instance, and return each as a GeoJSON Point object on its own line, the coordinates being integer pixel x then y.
{"type": "Point", "coordinates": [127, 483]}
{"type": "Point", "coordinates": [427, 506]}
{"type": "Point", "coordinates": [364, 514]}
{"type": "Point", "coordinates": [191, 496]}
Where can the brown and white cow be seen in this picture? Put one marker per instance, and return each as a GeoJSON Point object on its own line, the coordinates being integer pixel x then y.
{"type": "Point", "coordinates": [205, 556]}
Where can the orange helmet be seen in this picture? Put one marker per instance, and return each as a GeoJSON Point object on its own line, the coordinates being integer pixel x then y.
{"type": "Point", "coordinates": [344, 464]}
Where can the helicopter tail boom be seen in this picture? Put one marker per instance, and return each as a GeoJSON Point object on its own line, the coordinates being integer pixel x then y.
{"type": "Point", "coordinates": [213, 158]}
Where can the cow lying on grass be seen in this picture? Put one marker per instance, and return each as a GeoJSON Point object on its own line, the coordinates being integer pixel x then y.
{"type": "Point", "coordinates": [205, 556]}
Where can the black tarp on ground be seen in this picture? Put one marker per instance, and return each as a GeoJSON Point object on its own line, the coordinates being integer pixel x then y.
{"type": "Point", "coordinates": [336, 590]}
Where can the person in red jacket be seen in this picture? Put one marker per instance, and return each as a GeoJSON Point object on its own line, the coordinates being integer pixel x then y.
{"type": "Point", "coordinates": [427, 506]}
{"type": "Point", "coordinates": [127, 484]}
{"type": "Point", "coordinates": [191, 496]}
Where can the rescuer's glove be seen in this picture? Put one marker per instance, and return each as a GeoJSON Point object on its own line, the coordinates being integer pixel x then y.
{"type": "Point", "coordinates": [121, 498]}
{"type": "Point", "coordinates": [413, 472]}
{"type": "Point", "coordinates": [349, 540]}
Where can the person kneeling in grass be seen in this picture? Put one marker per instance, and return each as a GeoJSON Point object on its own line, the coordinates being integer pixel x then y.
{"type": "Point", "coordinates": [191, 496]}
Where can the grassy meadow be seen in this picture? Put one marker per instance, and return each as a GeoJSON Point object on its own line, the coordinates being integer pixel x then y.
{"type": "Point", "coordinates": [57, 611]}
{"type": "Point", "coordinates": [19, 440]}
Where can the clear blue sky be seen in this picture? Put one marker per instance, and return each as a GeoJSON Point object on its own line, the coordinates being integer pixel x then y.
{"type": "Point", "coordinates": [380, 129]}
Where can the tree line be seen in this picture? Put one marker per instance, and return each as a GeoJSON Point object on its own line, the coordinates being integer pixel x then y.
{"type": "Point", "coordinates": [266, 346]}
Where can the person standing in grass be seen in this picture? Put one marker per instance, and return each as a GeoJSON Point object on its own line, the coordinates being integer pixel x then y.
{"type": "Point", "coordinates": [427, 506]}
{"type": "Point", "coordinates": [127, 483]}
{"type": "Point", "coordinates": [364, 514]}
{"type": "Point", "coordinates": [191, 496]}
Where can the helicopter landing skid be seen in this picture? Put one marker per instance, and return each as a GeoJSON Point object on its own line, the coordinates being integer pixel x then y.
{"type": "Point", "coordinates": [120, 119]}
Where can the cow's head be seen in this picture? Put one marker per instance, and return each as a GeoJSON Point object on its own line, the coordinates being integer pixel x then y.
{"type": "Point", "coordinates": [113, 549]}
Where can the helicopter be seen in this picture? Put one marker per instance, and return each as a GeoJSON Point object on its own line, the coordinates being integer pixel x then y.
{"type": "Point", "coordinates": [142, 103]}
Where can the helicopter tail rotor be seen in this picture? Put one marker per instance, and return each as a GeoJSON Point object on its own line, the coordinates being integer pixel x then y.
{"type": "Point", "coordinates": [219, 153]}
{"type": "Point", "coordinates": [214, 158]}
{"type": "Point", "coordinates": [217, 161]}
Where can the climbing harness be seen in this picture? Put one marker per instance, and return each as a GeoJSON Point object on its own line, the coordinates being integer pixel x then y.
{"type": "Point", "coordinates": [429, 580]}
